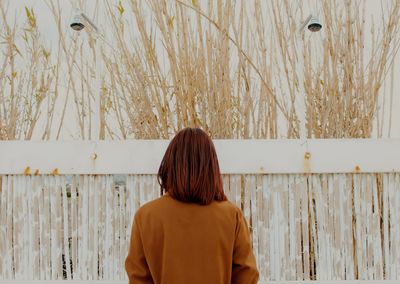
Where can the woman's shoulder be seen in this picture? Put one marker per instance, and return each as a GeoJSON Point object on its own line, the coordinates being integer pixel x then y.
{"type": "Point", "coordinates": [153, 206]}
{"type": "Point", "coordinates": [165, 202]}
{"type": "Point", "coordinates": [228, 205]}
{"type": "Point", "coordinates": [165, 210]}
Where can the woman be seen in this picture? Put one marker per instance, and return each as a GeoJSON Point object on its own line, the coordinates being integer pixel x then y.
{"type": "Point", "coordinates": [191, 234]}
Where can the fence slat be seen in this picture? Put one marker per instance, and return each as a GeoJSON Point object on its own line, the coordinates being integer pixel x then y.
{"type": "Point", "coordinates": [66, 230]}
{"type": "Point", "coordinates": [74, 228]}
{"type": "Point", "coordinates": [3, 227]}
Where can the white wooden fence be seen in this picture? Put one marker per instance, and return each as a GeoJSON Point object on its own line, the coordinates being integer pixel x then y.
{"type": "Point", "coordinates": [124, 282]}
{"type": "Point", "coordinates": [318, 209]}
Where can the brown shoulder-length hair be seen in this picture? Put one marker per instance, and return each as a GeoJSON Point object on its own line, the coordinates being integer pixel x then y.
{"type": "Point", "coordinates": [189, 171]}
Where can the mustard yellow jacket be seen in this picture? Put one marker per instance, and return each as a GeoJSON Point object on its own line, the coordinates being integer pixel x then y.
{"type": "Point", "coordinates": [174, 242]}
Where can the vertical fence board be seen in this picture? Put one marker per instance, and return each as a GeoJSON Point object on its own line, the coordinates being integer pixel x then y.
{"type": "Point", "coordinates": [259, 207]}
{"type": "Point", "coordinates": [108, 256]}
{"type": "Point", "coordinates": [59, 227]}
{"type": "Point", "coordinates": [43, 223]}
{"type": "Point", "coordinates": [235, 183]}
{"type": "Point", "coordinates": [370, 230]}
{"type": "Point", "coordinates": [92, 225]}
{"type": "Point", "coordinates": [296, 230]}
{"type": "Point", "coordinates": [317, 221]}
{"type": "Point", "coordinates": [225, 183]}
{"type": "Point", "coordinates": [35, 233]}
{"type": "Point", "coordinates": [328, 225]}
{"type": "Point", "coordinates": [114, 235]}
{"type": "Point", "coordinates": [266, 192]}
{"type": "Point", "coordinates": [74, 227]}
{"type": "Point", "coordinates": [18, 227]}
{"type": "Point", "coordinates": [10, 227]}
{"type": "Point", "coordinates": [358, 226]}
{"type": "Point", "coordinates": [66, 230]}
{"type": "Point", "coordinates": [271, 228]}
{"type": "Point", "coordinates": [121, 233]}
{"type": "Point", "coordinates": [312, 222]}
{"type": "Point", "coordinates": [394, 227]}
{"type": "Point", "coordinates": [254, 214]}
{"type": "Point", "coordinates": [376, 232]}
{"type": "Point", "coordinates": [79, 227]}
{"type": "Point", "coordinates": [304, 227]}
{"type": "Point", "coordinates": [28, 250]}
{"type": "Point", "coordinates": [385, 205]}
{"type": "Point", "coordinates": [130, 206]}
{"type": "Point", "coordinates": [246, 196]}
{"type": "Point", "coordinates": [3, 226]}
{"type": "Point", "coordinates": [102, 224]}
{"type": "Point", "coordinates": [284, 220]}
{"type": "Point", "coordinates": [52, 232]}
{"type": "Point", "coordinates": [339, 228]}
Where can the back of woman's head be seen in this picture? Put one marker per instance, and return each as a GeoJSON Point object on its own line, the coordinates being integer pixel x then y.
{"type": "Point", "coordinates": [189, 171]}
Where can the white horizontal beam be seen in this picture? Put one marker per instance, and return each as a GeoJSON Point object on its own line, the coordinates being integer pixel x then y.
{"type": "Point", "coordinates": [235, 156]}
{"type": "Point", "coordinates": [124, 282]}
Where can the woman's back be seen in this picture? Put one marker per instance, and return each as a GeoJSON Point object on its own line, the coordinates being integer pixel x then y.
{"type": "Point", "coordinates": [192, 234]}
{"type": "Point", "coordinates": [176, 242]}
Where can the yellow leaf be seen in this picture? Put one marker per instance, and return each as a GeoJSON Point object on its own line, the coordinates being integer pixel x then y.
{"type": "Point", "coordinates": [38, 97]}
{"type": "Point", "coordinates": [46, 54]}
{"type": "Point", "coordinates": [17, 50]}
{"type": "Point", "coordinates": [121, 8]}
{"type": "Point", "coordinates": [194, 2]}
{"type": "Point", "coordinates": [171, 22]}
{"type": "Point", "coordinates": [30, 14]}
{"type": "Point", "coordinates": [109, 103]}
{"type": "Point", "coordinates": [25, 37]}
{"type": "Point", "coordinates": [27, 171]}
{"type": "Point", "coordinates": [14, 74]}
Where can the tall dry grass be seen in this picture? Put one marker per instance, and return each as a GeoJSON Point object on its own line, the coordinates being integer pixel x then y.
{"type": "Point", "coordinates": [29, 79]}
{"type": "Point", "coordinates": [206, 80]}
{"type": "Point", "coordinates": [229, 73]}
{"type": "Point", "coordinates": [238, 69]}
{"type": "Point", "coordinates": [346, 83]}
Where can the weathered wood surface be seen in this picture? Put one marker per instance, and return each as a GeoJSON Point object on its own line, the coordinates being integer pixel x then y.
{"type": "Point", "coordinates": [304, 227]}
{"type": "Point", "coordinates": [124, 282]}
